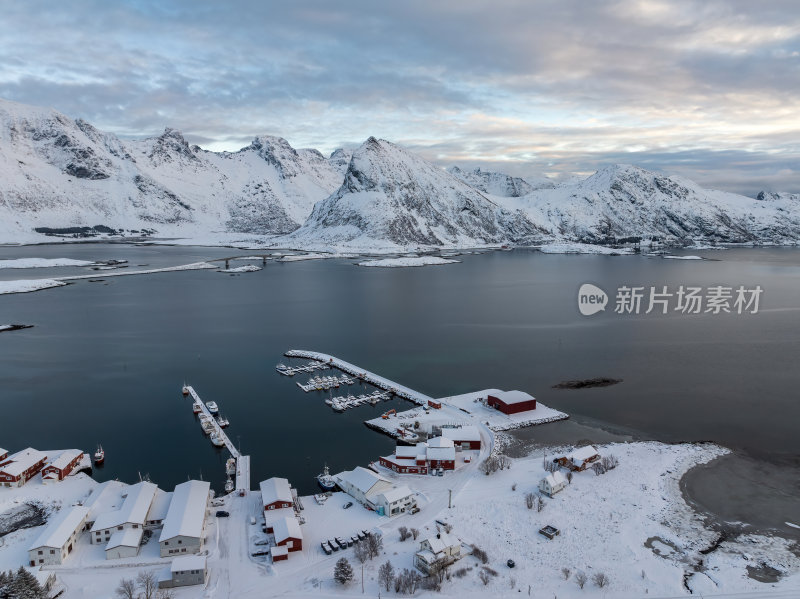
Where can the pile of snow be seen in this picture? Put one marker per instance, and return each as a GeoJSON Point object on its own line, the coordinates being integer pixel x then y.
{"type": "Point", "coordinates": [401, 262]}
{"type": "Point", "coordinates": [42, 262]}
{"type": "Point", "coordinates": [26, 286]}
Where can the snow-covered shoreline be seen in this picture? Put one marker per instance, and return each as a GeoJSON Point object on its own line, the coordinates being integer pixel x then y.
{"type": "Point", "coordinates": [408, 261]}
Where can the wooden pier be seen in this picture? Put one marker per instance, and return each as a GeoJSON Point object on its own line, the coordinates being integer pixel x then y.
{"type": "Point", "coordinates": [242, 462]}
{"type": "Point", "coordinates": [326, 383]}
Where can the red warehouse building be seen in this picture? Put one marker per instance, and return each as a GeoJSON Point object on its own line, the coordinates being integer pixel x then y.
{"type": "Point", "coordinates": [288, 534]}
{"type": "Point", "coordinates": [464, 437]}
{"type": "Point", "coordinates": [62, 466]}
{"type": "Point", "coordinates": [276, 493]}
{"type": "Point", "coordinates": [18, 469]}
{"type": "Point", "coordinates": [441, 453]}
{"type": "Point", "coordinates": [3, 455]}
{"type": "Point", "coordinates": [512, 402]}
{"type": "Point", "coordinates": [407, 459]}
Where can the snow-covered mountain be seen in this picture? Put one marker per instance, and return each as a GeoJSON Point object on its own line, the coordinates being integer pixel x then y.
{"type": "Point", "coordinates": [500, 184]}
{"type": "Point", "coordinates": [391, 197]}
{"type": "Point", "coordinates": [60, 174]}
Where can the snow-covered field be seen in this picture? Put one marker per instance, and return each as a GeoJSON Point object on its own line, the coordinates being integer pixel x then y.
{"type": "Point", "coordinates": [42, 262]}
{"type": "Point", "coordinates": [25, 286]}
{"type": "Point", "coordinates": [410, 261]}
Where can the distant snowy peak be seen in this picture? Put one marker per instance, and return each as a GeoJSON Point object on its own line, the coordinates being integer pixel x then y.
{"type": "Point", "coordinates": [393, 197]}
{"type": "Point", "coordinates": [340, 159]}
{"type": "Point", "coordinates": [773, 196]}
{"type": "Point", "coordinates": [499, 184]}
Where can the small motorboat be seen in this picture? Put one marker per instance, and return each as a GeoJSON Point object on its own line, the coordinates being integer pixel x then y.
{"type": "Point", "coordinates": [230, 466]}
{"type": "Point", "coordinates": [223, 422]}
{"type": "Point", "coordinates": [99, 455]}
{"type": "Point", "coordinates": [229, 485]}
{"type": "Point", "coordinates": [216, 439]}
{"type": "Point", "coordinates": [207, 427]}
{"type": "Point", "coordinates": [196, 409]}
{"type": "Point", "coordinates": [185, 391]}
{"type": "Point", "coordinates": [212, 407]}
{"type": "Point", "coordinates": [325, 480]}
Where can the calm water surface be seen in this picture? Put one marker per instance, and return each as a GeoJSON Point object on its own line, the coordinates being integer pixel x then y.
{"type": "Point", "coordinates": [106, 360]}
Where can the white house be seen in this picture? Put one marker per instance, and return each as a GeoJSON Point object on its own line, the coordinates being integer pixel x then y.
{"type": "Point", "coordinates": [131, 514]}
{"type": "Point", "coordinates": [185, 570]}
{"type": "Point", "coordinates": [360, 483]}
{"type": "Point", "coordinates": [124, 543]}
{"type": "Point", "coordinates": [158, 509]}
{"type": "Point", "coordinates": [185, 523]}
{"type": "Point", "coordinates": [58, 539]}
{"type": "Point", "coordinates": [105, 497]}
{"type": "Point", "coordinates": [393, 501]}
{"type": "Point", "coordinates": [436, 552]}
{"type": "Point", "coordinates": [552, 483]}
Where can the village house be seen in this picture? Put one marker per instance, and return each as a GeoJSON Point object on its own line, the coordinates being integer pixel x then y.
{"type": "Point", "coordinates": [131, 515]}
{"type": "Point", "coordinates": [105, 497]}
{"type": "Point", "coordinates": [437, 552]}
{"type": "Point", "coordinates": [552, 483]}
{"type": "Point", "coordinates": [511, 402]}
{"type": "Point", "coordinates": [184, 526]}
{"type": "Point", "coordinates": [392, 502]}
{"type": "Point", "coordinates": [580, 459]}
{"type": "Point", "coordinates": [375, 492]}
{"type": "Point", "coordinates": [19, 468]}
{"type": "Point", "coordinates": [287, 533]}
{"type": "Point", "coordinates": [276, 493]}
{"type": "Point", "coordinates": [62, 466]}
{"type": "Point", "coordinates": [407, 459]}
{"type": "Point", "coordinates": [463, 437]}
{"type": "Point", "coordinates": [58, 539]}
{"type": "Point", "coordinates": [185, 570]}
{"type": "Point", "coordinates": [158, 509]}
{"type": "Point", "coordinates": [441, 453]}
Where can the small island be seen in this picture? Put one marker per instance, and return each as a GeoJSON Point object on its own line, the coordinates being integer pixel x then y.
{"type": "Point", "coordinates": [14, 327]}
{"type": "Point", "coordinates": [587, 383]}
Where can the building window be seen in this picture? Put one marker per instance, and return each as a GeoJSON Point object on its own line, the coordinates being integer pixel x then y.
{"type": "Point", "coordinates": [180, 542]}
{"type": "Point", "coordinates": [166, 542]}
{"type": "Point", "coordinates": [52, 552]}
{"type": "Point", "coordinates": [119, 527]}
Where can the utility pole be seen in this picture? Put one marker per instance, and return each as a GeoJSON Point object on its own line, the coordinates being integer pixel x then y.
{"type": "Point", "coordinates": [449, 498]}
{"type": "Point", "coordinates": [362, 579]}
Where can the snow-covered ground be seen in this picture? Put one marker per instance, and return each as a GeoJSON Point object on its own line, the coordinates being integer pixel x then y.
{"type": "Point", "coordinates": [42, 262]}
{"type": "Point", "coordinates": [581, 248]}
{"type": "Point", "coordinates": [25, 286]}
{"type": "Point", "coordinates": [683, 257]}
{"type": "Point", "coordinates": [237, 269]}
{"type": "Point", "coordinates": [410, 261]}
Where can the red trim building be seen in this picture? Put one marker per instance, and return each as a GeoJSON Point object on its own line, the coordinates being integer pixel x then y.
{"type": "Point", "coordinates": [464, 437]}
{"type": "Point", "coordinates": [407, 459]}
{"type": "Point", "coordinates": [287, 534]}
{"type": "Point", "coordinates": [18, 469]}
{"type": "Point", "coordinates": [276, 493]}
{"type": "Point", "coordinates": [3, 455]}
{"type": "Point", "coordinates": [441, 453]}
{"type": "Point", "coordinates": [512, 402]}
{"type": "Point", "coordinates": [62, 466]}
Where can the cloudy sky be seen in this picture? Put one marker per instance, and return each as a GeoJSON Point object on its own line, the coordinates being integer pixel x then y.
{"type": "Point", "coordinates": [709, 88]}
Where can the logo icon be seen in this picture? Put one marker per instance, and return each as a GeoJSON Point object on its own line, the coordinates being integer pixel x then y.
{"type": "Point", "coordinates": [591, 299]}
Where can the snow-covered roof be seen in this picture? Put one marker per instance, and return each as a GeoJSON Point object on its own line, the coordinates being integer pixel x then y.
{"type": "Point", "coordinates": [186, 563]}
{"type": "Point", "coordinates": [464, 433]}
{"type": "Point", "coordinates": [127, 537]}
{"type": "Point", "coordinates": [440, 543]}
{"type": "Point", "coordinates": [65, 458]}
{"type": "Point", "coordinates": [361, 478]}
{"type": "Point", "coordinates": [396, 494]}
{"type": "Point", "coordinates": [61, 527]}
{"type": "Point", "coordinates": [134, 508]}
{"type": "Point", "coordinates": [512, 397]}
{"type": "Point", "coordinates": [104, 497]}
{"type": "Point", "coordinates": [275, 489]}
{"type": "Point", "coordinates": [3, 451]}
{"type": "Point", "coordinates": [277, 550]}
{"type": "Point", "coordinates": [272, 516]}
{"type": "Point", "coordinates": [187, 510]}
{"type": "Point", "coordinates": [437, 442]}
{"type": "Point", "coordinates": [160, 506]}
{"type": "Point", "coordinates": [408, 452]}
{"type": "Point", "coordinates": [555, 478]}
{"type": "Point", "coordinates": [286, 528]}
{"type": "Point", "coordinates": [22, 460]}
{"type": "Point", "coordinates": [441, 448]}
{"type": "Point", "coordinates": [583, 453]}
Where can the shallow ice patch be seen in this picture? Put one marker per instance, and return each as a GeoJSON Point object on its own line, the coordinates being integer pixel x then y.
{"type": "Point", "coordinates": [415, 261]}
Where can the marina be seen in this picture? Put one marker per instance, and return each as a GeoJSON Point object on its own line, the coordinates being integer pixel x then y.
{"type": "Point", "coordinates": [323, 383]}
{"type": "Point", "coordinates": [312, 366]}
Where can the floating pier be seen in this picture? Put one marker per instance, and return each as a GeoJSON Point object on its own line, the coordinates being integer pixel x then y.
{"type": "Point", "coordinates": [293, 370]}
{"type": "Point", "coordinates": [329, 361]}
{"type": "Point", "coordinates": [323, 383]}
{"type": "Point", "coordinates": [342, 403]}
{"type": "Point", "coordinates": [242, 461]}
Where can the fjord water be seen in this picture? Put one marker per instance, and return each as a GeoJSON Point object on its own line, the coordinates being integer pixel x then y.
{"type": "Point", "coordinates": [106, 360]}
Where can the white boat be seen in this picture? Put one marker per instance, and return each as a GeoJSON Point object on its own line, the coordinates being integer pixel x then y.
{"type": "Point", "coordinates": [325, 480]}
{"type": "Point", "coordinates": [217, 440]}
{"type": "Point", "coordinates": [230, 466]}
{"type": "Point", "coordinates": [207, 427]}
{"type": "Point", "coordinates": [229, 485]}
{"type": "Point", "coordinates": [223, 422]}
{"type": "Point", "coordinates": [212, 407]}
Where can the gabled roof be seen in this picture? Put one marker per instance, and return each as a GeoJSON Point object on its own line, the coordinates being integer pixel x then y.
{"type": "Point", "coordinates": [104, 497]}
{"type": "Point", "coordinates": [512, 397]}
{"type": "Point", "coordinates": [464, 433]}
{"type": "Point", "coordinates": [286, 528]}
{"type": "Point", "coordinates": [61, 527]}
{"type": "Point", "coordinates": [395, 494]}
{"type": "Point", "coordinates": [275, 489]}
{"type": "Point", "coordinates": [408, 452]}
{"type": "Point", "coordinates": [436, 442]}
{"type": "Point", "coordinates": [160, 506]}
{"type": "Point", "coordinates": [440, 448]}
{"type": "Point", "coordinates": [22, 460]}
{"type": "Point", "coordinates": [128, 537]}
{"type": "Point", "coordinates": [65, 458]}
{"type": "Point", "coordinates": [582, 453]}
{"type": "Point", "coordinates": [440, 543]}
{"type": "Point", "coordinates": [185, 563]}
{"type": "Point", "coordinates": [361, 478]}
{"type": "Point", "coordinates": [134, 508]}
{"type": "Point", "coordinates": [555, 478]}
{"type": "Point", "coordinates": [187, 511]}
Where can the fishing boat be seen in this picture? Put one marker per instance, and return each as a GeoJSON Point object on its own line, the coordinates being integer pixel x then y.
{"type": "Point", "coordinates": [216, 439]}
{"type": "Point", "coordinates": [207, 427]}
{"type": "Point", "coordinates": [325, 480]}
{"type": "Point", "coordinates": [212, 407]}
{"type": "Point", "coordinates": [230, 466]}
{"type": "Point", "coordinates": [196, 409]}
{"type": "Point", "coordinates": [223, 422]}
{"type": "Point", "coordinates": [229, 485]}
{"type": "Point", "coordinates": [185, 391]}
{"type": "Point", "coordinates": [99, 455]}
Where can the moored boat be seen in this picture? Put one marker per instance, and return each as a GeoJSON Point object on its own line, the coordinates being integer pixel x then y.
{"type": "Point", "coordinates": [207, 427]}
{"type": "Point", "coordinates": [229, 485]}
{"type": "Point", "coordinates": [99, 455]}
{"type": "Point", "coordinates": [185, 391]}
{"type": "Point", "coordinates": [223, 422]}
{"type": "Point", "coordinates": [196, 409]}
{"type": "Point", "coordinates": [212, 407]}
{"type": "Point", "coordinates": [325, 480]}
{"type": "Point", "coordinates": [216, 439]}
{"type": "Point", "coordinates": [230, 466]}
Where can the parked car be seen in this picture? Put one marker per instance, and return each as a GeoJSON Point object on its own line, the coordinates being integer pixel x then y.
{"type": "Point", "coordinates": [414, 509]}
{"type": "Point", "coordinates": [222, 514]}
{"type": "Point", "coordinates": [341, 542]}
{"type": "Point", "coordinates": [326, 548]}
{"type": "Point", "coordinates": [347, 505]}
{"type": "Point", "coordinates": [510, 563]}
{"type": "Point", "coordinates": [333, 545]}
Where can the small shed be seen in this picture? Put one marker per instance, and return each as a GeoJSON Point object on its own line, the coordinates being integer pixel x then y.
{"type": "Point", "coordinates": [186, 570]}
{"type": "Point", "coordinates": [552, 483]}
{"type": "Point", "coordinates": [124, 543]}
{"type": "Point", "coordinates": [279, 553]}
